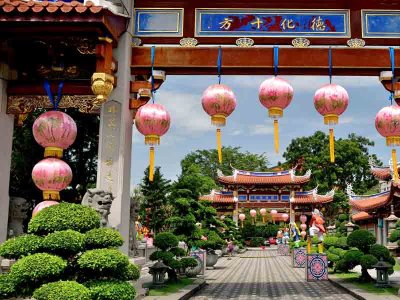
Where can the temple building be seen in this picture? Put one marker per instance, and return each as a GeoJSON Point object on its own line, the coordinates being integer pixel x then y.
{"type": "Point", "coordinates": [374, 212]}
{"type": "Point", "coordinates": [281, 191]}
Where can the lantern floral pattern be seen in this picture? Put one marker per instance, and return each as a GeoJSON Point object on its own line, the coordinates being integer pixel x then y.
{"type": "Point", "coordinates": [387, 123]}
{"type": "Point", "coordinates": [51, 175]}
{"type": "Point", "coordinates": [331, 101]}
{"type": "Point", "coordinates": [275, 94]}
{"type": "Point", "coordinates": [55, 131]}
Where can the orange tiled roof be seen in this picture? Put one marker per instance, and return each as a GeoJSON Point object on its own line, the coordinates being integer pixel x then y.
{"type": "Point", "coordinates": [218, 197]}
{"type": "Point", "coordinates": [265, 178]}
{"type": "Point", "coordinates": [19, 6]}
{"type": "Point", "coordinates": [311, 197]}
{"type": "Point", "coordinates": [382, 173]}
{"type": "Point", "coordinates": [362, 215]}
{"type": "Point", "coordinates": [365, 203]}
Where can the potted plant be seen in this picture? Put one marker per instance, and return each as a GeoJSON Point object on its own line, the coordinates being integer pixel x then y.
{"type": "Point", "coordinates": [210, 242]}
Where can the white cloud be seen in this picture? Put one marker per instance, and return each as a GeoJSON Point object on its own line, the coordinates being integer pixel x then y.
{"type": "Point", "coordinates": [260, 129]}
{"type": "Point", "coordinates": [236, 132]}
{"type": "Point", "coordinates": [346, 120]}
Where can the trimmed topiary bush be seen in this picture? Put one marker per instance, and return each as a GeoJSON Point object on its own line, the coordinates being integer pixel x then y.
{"type": "Point", "coordinates": [395, 236]}
{"type": "Point", "coordinates": [38, 268]}
{"type": "Point", "coordinates": [63, 217]}
{"type": "Point", "coordinates": [188, 262]}
{"type": "Point", "coordinates": [7, 286]}
{"type": "Point", "coordinates": [64, 243]}
{"type": "Point", "coordinates": [341, 242]}
{"type": "Point", "coordinates": [21, 246]}
{"type": "Point", "coordinates": [130, 272]}
{"type": "Point", "coordinates": [103, 238]}
{"type": "Point", "coordinates": [178, 251]}
{"type": "Point", "coordinates": [110, 290]}
{"type": "Point", "coordinates": [379, 252]}
{"type": "Point", "coordinates": [368, 260]}
{"type": "Point", "coordinates": [165, 241]}
{"type": "Point", "coordinates": [102, 262]}
{"type": "Point", "coordinates": [166, 256]}
{"type": "Point", "coordinates": [352, 258]}
{"type": "Point", "coordinates": [62, 290]}
{"type": "Point", "coordinates": [361, 239]}
{"type": "Point", "coordinates": [330, 241]}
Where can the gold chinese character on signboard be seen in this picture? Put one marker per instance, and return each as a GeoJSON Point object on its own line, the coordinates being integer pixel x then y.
{"type": "Point", "coordinates": [226, 23]}
{"type": "Point", "coordinates": [109, 176]}
{"type": "Point", "coordinates": [109, 162]}
{"type": "Point", "coordinates": [258, 22]}
{"type": "Point", "coordinates": [111, 123]}
{"type": "Point", "coordinates": [287, 24]}
{"type": "Point", "coordinates": [112, 109]}
{"type": "Point", "coordinates": [317, 24]}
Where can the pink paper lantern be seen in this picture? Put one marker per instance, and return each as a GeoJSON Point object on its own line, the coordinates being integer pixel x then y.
{"type": "Point", "coordinates": [303, 233]}
{"type": "Point", "coordinates": [55, 131]}
{"type": "Point", "coordinates": [303, 218]}
{"type": "Point", "coordinates": [303, 226]}
{"type": "Point", "coordinates": [51, 175]}
{"type": "Point", "coordinates": [242, 217]}
{"type": "Point", "coordinates": [219, 102]}
{"type": "Point", "coordinates": [331, 101]}
{"type": "Point", "coordinates": [387, 123]}
{"type": "Point", "coordinates": [43, 205]}
{"type": "Point", "coordinates": [253, 213]}
{"type": "Point", "coordinates": [263, 211]}
{"type": "Point", "coordinates": [222, 217]}
{"type": "Point", "coordinates": [274, 212]}
{"type": "Point", "coordinates": [285, 217]}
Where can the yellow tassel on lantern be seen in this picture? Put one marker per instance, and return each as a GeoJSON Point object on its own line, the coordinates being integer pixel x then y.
{"type": "Point", "coordinates": [394, 161]}
{"type": "Point", "coordinates": [331, 145]}
{"type": "Point", "coordinates": [151, 168]}
{"type": "Point", "coordinates": [152, 140]}
{"type": "Point", "coordinates": [51, 195]}
{"type": "Point", "coordinates": [53, 152]}
{"type": "Point", "coordinates": [241, 223]}
{"type": "Point", "coordinates": [276, 135]}
{"type": "Point", "coordinates": [263, 217]}
{"type": "Point", "coordinates": [219, 147]}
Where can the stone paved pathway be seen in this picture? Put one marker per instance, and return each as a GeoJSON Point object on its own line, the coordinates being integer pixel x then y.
{"type": "Point", "coordinates": [262, 275]}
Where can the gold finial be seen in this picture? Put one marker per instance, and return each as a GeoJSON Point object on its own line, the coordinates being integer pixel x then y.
{"type": "Point", "coordinates": [136, 42]}
{"type": "Point", "coordinates": [300, 42]}
{"type": "Point", "coordinates": [356, 43]}
{"type": "Point", "coordinates": [188, 42]}
{"type": "Point", "coordinates": [102, 86]}
{"type": "Point", "coordinates": [244, 42]}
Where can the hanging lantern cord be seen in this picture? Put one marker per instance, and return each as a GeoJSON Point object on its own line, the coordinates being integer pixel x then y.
{"type": "Point", "coordinates": [219, 64]}
{"type": "Point", "coordinates": [391, 52]}
{"type": "Point", "coordinates": [330, 64]}
{"type": "Point", "coordinates": [331, 133]}
{"type": "Point", "coordinates": [276, 124]}
{"type": "Point", "coordinates": [54, 101]}
{"type": "Point", "coordinates": [276, 60]}
{"type": "Point", "coordinates": [153, 90]}
{"type": "Point", "coordinates": [219, 144]}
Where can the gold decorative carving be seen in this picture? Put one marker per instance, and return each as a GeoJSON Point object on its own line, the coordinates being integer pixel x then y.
{"type": "Point", "coordinates": [356, 43]}
{"type": "Point", "coordinates": [20, 105]}
{"type": "Point", "coordinates": [300, 42]}
{"type": "Point", "coordinates": [244, 42]}
{"type": "Point", "coordinates": [102, 86]}
{"type": "Point", "coordinates": [188, 42]}
{"type": "Point", "coordinates": [136, 42]}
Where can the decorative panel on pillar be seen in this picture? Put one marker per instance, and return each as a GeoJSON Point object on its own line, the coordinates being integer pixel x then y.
{"type": "Point", "coordinates": [283, 250]}
{"type": "Point", "coordinates": [299, 258]}
{"type": "Point", "coordinates": [317, 267]}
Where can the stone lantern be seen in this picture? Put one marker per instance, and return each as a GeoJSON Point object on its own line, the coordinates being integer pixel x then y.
{"type": "Point", "coordinates": [382, 274]}
{"type": "Point", "coordinates": [158, 271]}
{"type": "Point", "coordinates": [350, 227]}
{"type": "Point", "coordinates": [391, 221]}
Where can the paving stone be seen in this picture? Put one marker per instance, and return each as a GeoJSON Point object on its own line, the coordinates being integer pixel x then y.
{"type": "Point", "coordinates": [261, 274]}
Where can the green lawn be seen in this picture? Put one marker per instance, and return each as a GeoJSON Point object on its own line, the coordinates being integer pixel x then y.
{"type": "Point", "coordinates": [170, 288]}
{"type": "Point", "coordinates": [369, 287]}
{"type": "Point", "coordinates": [396, 266]}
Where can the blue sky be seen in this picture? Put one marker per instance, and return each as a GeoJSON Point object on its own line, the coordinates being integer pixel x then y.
{"type": "Point", "coordinates": [249, 126]}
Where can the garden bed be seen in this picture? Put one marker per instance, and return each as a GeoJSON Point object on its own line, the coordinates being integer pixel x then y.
{"type": "Point", "coordinates": [171, 288]}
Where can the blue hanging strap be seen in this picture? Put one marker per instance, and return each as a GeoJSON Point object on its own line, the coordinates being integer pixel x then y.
{"type": "Point", "coordinates": [391, 52]}
{"type": "Point", "coordinates": [54, 102]}
{"type": "Point", "coordinates": [330, 64]}
{"type": "Point", "coordinates": [219, 64]}
{"type": "Point", "coordinates": [153, 90]}
{"type": "Point", "coordinates": [276, 60]}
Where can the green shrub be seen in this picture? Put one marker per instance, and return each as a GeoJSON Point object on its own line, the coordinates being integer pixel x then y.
{"type": "Point", "coordinates": [178, 251]}
{"type": "Point", "coordinates": [166, 256]}
{"type": "Point", "coordinates": [7, 286]}
{"type": "Point", "coordinates": [165, 241]}
{"type": "Point", "coordinates": [395, 236]}
{"type": "Point", "coordinates": [21, 246]}
{"type": "Point", "coordinates": [111, 290]}
{"type": "Point", "coordinates": [352, 258]}
{"type": "Point", "coordinates": [103, 238]}
{"type": "Point", "coordinates": [63, 217]}
{"type": "Point", "coordinates": [361, 239]}
{"type": "Point", "coordinates": [341, 242]}
{"type": "Point", "coordinates": [330, 241]}
{"type": "Point", "coordinates": [367, 261]}
{"type": "Point", "coordinates": [130, 272]}
{"type": "Point", "coordinates": [62, 290]}
{"type": "Point", "coordinates": [343, 217]}
{"type": "Point", "coordinates": [38, 268]}
{"type": "Point", "coordinates": [188, 262]}
{"type": "Point", "coordinates": [333, 257]}
{"type": "Point", "coordinates": [102, 262]}
{"type": "Point", "coordinates": [175, 264]}
{"type": "Point", "coordinates": [64, 243]}
{"type": "Point", "coordinates": [379, 252]}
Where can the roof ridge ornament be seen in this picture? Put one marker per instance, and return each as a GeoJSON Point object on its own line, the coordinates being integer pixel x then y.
{"type": "Point", "coordinates": [372, 162]}
{"type": "Point", "coordinates": [235, 172]}
{"type": "Point", "coordinates": [349, 191]}
{"type": "Point", "coordinates": [219, 173]}
{"type": "Point", "coordinates": [331, 193]}
{"type": "Point", "coordinates": [315, 192]}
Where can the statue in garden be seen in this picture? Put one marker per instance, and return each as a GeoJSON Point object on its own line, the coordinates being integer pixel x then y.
{"type": "Point", "coordinates": [286, 237]}
{"type": "Point", "coordinates": [19, 208]}
{"type": "Point", "coordinates": [101, 201]}
{"type": "Point", "coordinates": [279, 237]}
{"type": "Point", "coordinates": [317, 228]}
{"type": "Point", "coordinates": [295, 233]}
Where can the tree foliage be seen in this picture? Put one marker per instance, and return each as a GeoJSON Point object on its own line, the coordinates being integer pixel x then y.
{"type": "Point", "coordinates": [207, 161]}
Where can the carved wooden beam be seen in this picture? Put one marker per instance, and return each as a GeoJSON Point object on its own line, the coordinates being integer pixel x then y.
{"type": "Point", "coordinates": [386, 77]}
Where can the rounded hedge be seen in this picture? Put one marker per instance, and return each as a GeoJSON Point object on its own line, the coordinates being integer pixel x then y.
{"type": "Point", "coordinates": [130, 272]}
{"type": "Point", "coordinates": [20, 246]}
{"type": "Point", "coordinates": [330, 241]}
{"type": "Point", "coordinates": [178, 251]}
{"type": "Point", "coordinates": [165, 240]}
{"type": "Point", "coordinates": [64, 243]}
{"type": "Point", "coordinates": [38, 268]}
{"type": "Point", "coordinates": [111, 290]}
{"type": "Point", "coordinates": [7, 286]}
{"type": "Point", "coordinates": [102, 262]}
{"type": "Point", "coordinates": [63, 217]}
{"type": "Point", "coordinates": [368, 260]}
{"type": "Point", "coordinates": [341, 242]}
{"type": "Point", "coordinates": [395, 236]}
{"type": "Point", "coordinates": [361, 239]}
{"type": "Point", "coordinates": [379, 252]}
{"type": "Point", "coordinates": [62, 290]}
{"type": "Point", "coordinates": [166, 256]}
{"type": "Point", "coordinates": [103, 238]}
{"type": "Point", "coordinates": [188, 262]}
{"type": "Point", "coordinates": [333, 257]}
{"type": "Point", "coordinates": [352, 258]}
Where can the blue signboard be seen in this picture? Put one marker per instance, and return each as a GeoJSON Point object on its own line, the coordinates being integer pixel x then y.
{"type": "Point", "coordinates": [159, 22]}
{"type": "Point", "coordinates": [272, 23]}
{"type": "Point", "coordinates": [381, 23]}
